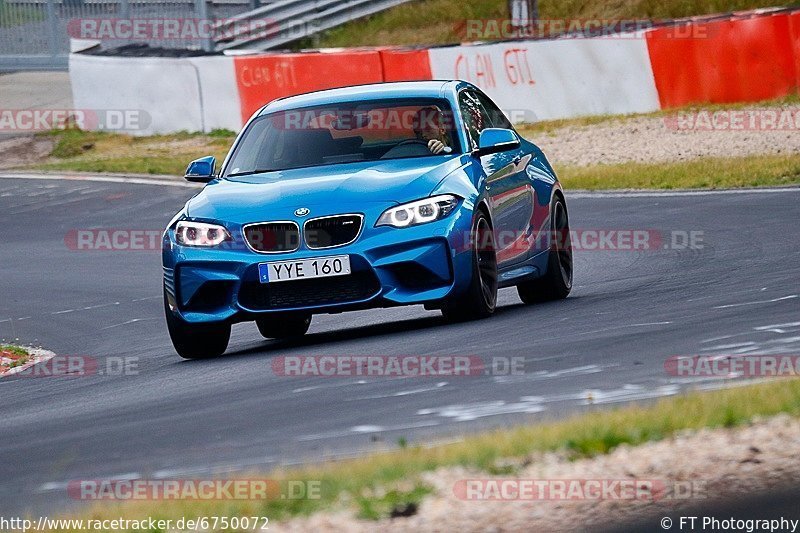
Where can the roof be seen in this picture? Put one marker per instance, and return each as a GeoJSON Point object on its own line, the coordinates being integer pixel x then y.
{"type": "Point", "coordinates": [374, 91]}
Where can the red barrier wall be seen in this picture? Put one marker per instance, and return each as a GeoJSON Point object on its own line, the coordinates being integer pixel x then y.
{"type": "Point", "coordinates": [740, 60]}
{"type": "Point", "coordinates": [261, 79]}
{"type": "Point", "coordinates": [794, 30]}
{"type": "Point", "coordinates": [406, 65]}
{"type": "Point", "coordinates": [744, 59]}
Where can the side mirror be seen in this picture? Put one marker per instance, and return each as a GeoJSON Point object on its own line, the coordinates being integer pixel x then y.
{"type": "Point", "coordinates": [496, 140]}
{"type": "Point", "coordinates": [201, 170]}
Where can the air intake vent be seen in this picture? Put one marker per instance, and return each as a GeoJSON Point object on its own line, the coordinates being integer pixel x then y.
{"type": "Point", "coordinates": [273, 237]}
{"type": "Point", "coordinates": [329, 232]}
{"type": "Point", "coordinates": [309, 292]}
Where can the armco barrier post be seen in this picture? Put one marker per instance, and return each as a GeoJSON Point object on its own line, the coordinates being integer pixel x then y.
{"type": "Point", "coordinates": [52, 26]}
{"type": "Point", "coordinates": [124, 9]}
{"type": "Point", "coordinates": [202, 13]}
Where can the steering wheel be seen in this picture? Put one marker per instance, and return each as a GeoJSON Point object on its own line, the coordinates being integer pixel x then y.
{"type": "Point", "coordinates": [411, 141]}
{"type": "Point", "coordinates": [398, 149]}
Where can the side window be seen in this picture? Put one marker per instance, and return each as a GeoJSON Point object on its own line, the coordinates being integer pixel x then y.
{"type": "Point", "coordinates": [475, 118]}
{"type": "Point", "coordinates": [497, 118]}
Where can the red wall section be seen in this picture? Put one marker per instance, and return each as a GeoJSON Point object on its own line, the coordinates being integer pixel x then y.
{"type": "Point", "coordinates": [261, 79]}
{"type": "Point", "coordinates": [740, 60]}
{"type": "Point", "coordinates": [794, 31]}
{"type": "Point", "coordinates": [406, 65]}
{"type": "Point", "coordinates": [744, 59]}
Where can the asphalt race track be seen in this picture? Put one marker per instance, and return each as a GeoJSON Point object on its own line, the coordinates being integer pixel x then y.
{"type": "Point", "coordinates": [606, 344]}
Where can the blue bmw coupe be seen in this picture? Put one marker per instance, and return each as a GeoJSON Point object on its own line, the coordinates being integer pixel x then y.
{"type": "Point", "coordinates": [362, 197]}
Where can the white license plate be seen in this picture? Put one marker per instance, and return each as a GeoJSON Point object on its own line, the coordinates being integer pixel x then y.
{"type": "Point", "coordinates": [319, 267]}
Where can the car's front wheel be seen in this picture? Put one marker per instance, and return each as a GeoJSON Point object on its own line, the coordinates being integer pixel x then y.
{"type": "Point", "coordinates": [196, 341]}
{"type": "Point", "coordinates": [284, 326]}
{"type": "Point", "coordinates": [556, 284]}
{"type": "Point", "coordinates": [480, 299]}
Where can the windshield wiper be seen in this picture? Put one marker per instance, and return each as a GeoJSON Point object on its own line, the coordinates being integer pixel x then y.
{"type": "Point", "coordinates": [248, 173]}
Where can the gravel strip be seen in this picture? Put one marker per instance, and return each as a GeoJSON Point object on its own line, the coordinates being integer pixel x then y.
{"type": "Point", "coordinates": [24, 150]}
{"type": "Point", "coordinates": [656, 140]}
{"type": "Point", "coordinates": [722, 463]}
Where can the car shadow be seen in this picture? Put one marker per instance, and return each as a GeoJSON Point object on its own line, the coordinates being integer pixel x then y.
{"type": "Point", "coordinates": [388, 330]}
{"type": "Point", "coordinates": [384, 329]}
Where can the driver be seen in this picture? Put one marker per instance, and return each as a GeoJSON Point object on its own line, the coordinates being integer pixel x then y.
{"type": "Point", "coordinates": [429, 126]}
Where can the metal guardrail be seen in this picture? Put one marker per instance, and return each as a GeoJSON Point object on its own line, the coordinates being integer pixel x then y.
{"type": "Point", "coordinates": [285, 21]}
{"type": "Point", "coordinates": [35, 34]}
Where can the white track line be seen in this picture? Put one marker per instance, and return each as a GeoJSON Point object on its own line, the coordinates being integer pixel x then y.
{"type": "Point", "coordinates": [666, 194]}
{"type": "Point", "coordinates": [578, 194]}
{"type": "Point", "coordinates": [105, 179]}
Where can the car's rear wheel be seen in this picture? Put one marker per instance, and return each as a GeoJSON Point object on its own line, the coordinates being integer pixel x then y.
{"type": "Point", "coordinates": [196, 341]}
{"type": "Point", "coordinates": [556, 284]}
{"type": "Point", "coordinates": [480, 299]}
{"type": "Point", "coordinates": [284, 326]}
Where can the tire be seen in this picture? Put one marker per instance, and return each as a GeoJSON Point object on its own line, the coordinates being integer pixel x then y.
{"type": "Point", "coordinates": [284, 326]}
{"type": "Point", "coordinates": [556, 284]}
{"type": "Point", "coordinates": [196, 341]}
{"type": "Point", "coordinates": [480, 299]}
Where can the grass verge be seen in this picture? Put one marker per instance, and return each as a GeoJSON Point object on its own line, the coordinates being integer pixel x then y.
{"type": "Point", "coordinates": [438, 21]}
{"type": "Point", "coordinates": [85, 151]}
{"type": "Point", "coordinates": [169, 154]}
{"type": "Point", "coordinates": [12, 357]}
{"type": "Point", "coordinates": [388, 484]}
{"type": "Point", "coordinates": [81, 151]}
{"type": "Point", "coordinates": [703, 173]}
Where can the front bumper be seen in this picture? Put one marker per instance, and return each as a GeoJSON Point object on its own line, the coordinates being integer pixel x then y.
{"type": "Point", "coordinates": [390, 267]}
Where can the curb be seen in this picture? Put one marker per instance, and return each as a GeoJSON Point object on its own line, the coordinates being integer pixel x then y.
{"type": "Point", "coordinates": [135, 179]}
{"type": "Point", "coordinates": [38, 355]}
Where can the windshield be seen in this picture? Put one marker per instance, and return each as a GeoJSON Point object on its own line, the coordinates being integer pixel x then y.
{"type": "Point", "coordinates": [346, 133]}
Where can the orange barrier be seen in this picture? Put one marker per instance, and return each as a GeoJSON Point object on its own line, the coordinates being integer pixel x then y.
{"type": "Point", "coordinates": [261, 79]}
{"type": "Point", "coordinates": [406, 65]}
{"type": "Point", "coordinates": [738, 60]}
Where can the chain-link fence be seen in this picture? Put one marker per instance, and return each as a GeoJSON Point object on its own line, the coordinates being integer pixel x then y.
{"type": "Point", "coordinates": [36, 34]}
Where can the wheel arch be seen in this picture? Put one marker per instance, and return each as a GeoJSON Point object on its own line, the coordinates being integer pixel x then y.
{"type": "Point", "coordinates": [483, 207]}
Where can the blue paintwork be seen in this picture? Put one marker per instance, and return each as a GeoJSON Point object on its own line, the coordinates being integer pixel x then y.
{"type": "Point", "coordinates": [515, 187]}
{"type": "Point", "coordinates": [497, 140]}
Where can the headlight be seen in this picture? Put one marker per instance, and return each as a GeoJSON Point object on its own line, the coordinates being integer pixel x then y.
{"type": "Point", "coordinates": [200, 234]}
{"type": "Point", "coordinates": [419, 212]}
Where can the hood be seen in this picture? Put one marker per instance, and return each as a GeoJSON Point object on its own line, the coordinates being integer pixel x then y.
{"type": "Point", "coordinates": [330, 189]}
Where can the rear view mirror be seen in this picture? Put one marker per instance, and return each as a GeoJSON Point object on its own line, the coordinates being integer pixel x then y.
{"type": "Point", "coordinates": [201, 170]}
{"type": "Point", "coordinates": [349, 122]}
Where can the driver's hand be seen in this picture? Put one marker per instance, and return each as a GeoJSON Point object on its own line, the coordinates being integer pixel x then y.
{"type": "Point", "coordinates": [436, 146]}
